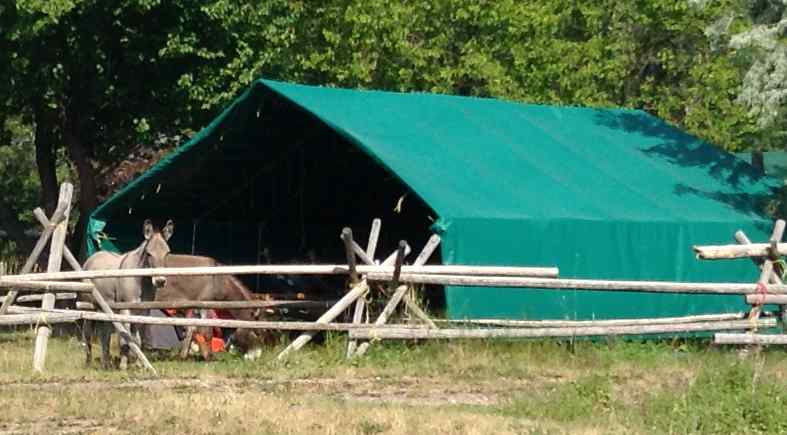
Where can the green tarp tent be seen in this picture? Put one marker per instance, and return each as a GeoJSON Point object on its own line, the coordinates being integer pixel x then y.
{"type": "Point", "coordinates": [600, 193]}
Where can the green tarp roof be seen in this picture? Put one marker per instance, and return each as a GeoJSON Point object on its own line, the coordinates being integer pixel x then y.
{"type": "Point", "coordinates": [520, 183]}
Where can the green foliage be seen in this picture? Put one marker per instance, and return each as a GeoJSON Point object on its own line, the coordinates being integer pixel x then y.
{"type": "Point", "coordinates": [115, 75]}
{"type": "Point", "coordinates": [730, 400]}
{"type": "Point", "coordinates": [18, 167]}
{"type": "Point", "coordinates": [653, 55]}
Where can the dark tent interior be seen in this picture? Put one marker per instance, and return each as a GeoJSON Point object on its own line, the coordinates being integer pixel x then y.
{"type": "Point", "coordinates": [278, 186]}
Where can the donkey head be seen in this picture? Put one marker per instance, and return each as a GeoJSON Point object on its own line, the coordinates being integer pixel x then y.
{"type": "Point", "coordinates": [156, 248]}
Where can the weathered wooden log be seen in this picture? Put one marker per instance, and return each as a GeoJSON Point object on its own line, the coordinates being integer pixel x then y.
{"type": "Point", "coordinates": [390, 307]}
{"type": "Point", "coordinates": [401, 292]}
{"type": "Point", "coordinates": [217, 305]}
{"type": "Point", "coordinates": [51, 286]}
{"type": "Point", "coordinates": [347, 238]}
{"type": "Point", "coordinates": [742, 239]}
{"type": "Point", "coordinates": [434, 242]}
{"type": "Point", "coordinates": [46, 234]}
{"type": "Point", "coordinates": [750, 339]}
{"type": "Point", "coordinates": [67, 254]}
{"type": "Point", "coordinates": [37, 318]}
{"type": "Point", "coordinates": [723, 252]}
{"type": "Point", "coordinates": [374, 235]}
{"type": "Point", "coordinates": [427, 333]}
{"type": "Point", "coordinates": [766, 272]}
{"type": "Point", "coordinates": [197, 322]}
{"type": "Point", "coordinates": [582, 284]}
{"type": "Point", "coordinates": [360, 303]}
{"type": "Point", "coordinates": [478, 281]}
{"type": "Point", "coordinates": [611, 322]}
{"type": "Point", "coordinates": [37, 298]}
{"type": "Point", "coordinates": [42, 335]}
{"type": "Point", "coordinates": [350, 297]}
{"type": "Point", "coordinates": [288, 269]}
{"type": "Point", "coordinates": [765, 299]}
{"type": "Point", "coordinates": [55, 260]}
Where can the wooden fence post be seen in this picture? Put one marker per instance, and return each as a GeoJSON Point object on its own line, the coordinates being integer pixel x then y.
{"type": "Point", "coordinates": [401, 291]}
{"type": "Point", "coordinates": [350, 297]}
{"type": "Point", "coordinates": [360, 304]}
{"type": "Point", "coordinates": [742, 239]}
{"type": "Point", "coordinates": [33, 258]}
{"type": "Point", "coordinates": [55, 261]}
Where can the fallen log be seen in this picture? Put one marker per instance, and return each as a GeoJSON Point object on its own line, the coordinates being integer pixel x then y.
{"type": "Point", "coordinates": [371, 333]}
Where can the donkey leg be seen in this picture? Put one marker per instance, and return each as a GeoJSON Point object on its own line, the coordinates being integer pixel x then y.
{"type": "Point", "coordinates": [124, 344]}
{"type": "Point", "coordinates": [105, 334]}
{"type": "Point", "coordinates": [87, 339]}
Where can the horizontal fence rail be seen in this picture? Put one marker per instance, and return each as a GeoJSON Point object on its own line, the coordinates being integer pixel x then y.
{"type": "Point", "coordinates": [292, 269]}
{"type": "Point", "coordinates": [218, 305]}
{"type": "Point", "coordinates": [585, 284]}
{"type": "Point", "coordinates": [371, 333]}
{"type": "Point", "coordinates": [578, 323]}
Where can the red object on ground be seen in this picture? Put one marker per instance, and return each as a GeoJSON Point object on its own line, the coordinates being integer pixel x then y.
{"type": "Point", "coordinates": [217, 342]}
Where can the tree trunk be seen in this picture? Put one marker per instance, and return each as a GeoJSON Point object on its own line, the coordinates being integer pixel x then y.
{"type": "Point", "coordinates": [45, 157]}
{"type": "Point", "coordinates": [88, 200]}
{"type": "Point", "coordinates": [758, 160]}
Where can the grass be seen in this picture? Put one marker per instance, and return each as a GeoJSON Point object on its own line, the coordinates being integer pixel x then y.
{"type": "Point", "coordinates": [400, 388]}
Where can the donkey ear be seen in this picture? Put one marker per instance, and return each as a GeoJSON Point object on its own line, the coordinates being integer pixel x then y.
{"type": "Point", "coordinates": [147, 229]}
{"type": "Point", "coordinates": [169, 228]}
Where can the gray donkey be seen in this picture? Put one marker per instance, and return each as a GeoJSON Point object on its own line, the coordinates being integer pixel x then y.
{"type": "Point", "coordinates": [151, 253]}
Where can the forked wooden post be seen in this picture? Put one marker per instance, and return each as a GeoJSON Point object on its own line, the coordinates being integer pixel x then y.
{"type": "Point", "coordinates": [350, 297]}
{"type": "Point", "coordinates": [55, 261]}
{"type": "Point", "coordinates": [780, 300]}
{"type": "Point", "coordinates": [360, 304]}
{"type": "Point", "coordinates": [767, 266]}
{"type": "Point", "coordinates": [342, 304]}
{"type": "Point", "coordinates": [33, 258]}
{"type": "Point", "coordinates": [401, 291]}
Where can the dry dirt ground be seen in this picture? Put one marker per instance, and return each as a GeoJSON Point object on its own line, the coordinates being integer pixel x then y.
{"type": "Point", "coordinates": [323, 405]}
{"type": "Point", "coordinates": [446, 388]}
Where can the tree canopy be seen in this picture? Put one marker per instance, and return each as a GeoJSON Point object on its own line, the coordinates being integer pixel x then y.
{"type": "Point", "coordinates": [91, 85]}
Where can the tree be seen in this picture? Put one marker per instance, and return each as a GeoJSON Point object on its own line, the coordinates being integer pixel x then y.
{"type": "Point", "coordinates": [91, 79]}
{"type": "Point", "coordinates": [754, 33]}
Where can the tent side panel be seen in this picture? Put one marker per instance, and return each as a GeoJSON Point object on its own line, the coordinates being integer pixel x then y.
{"type": "Point", "coordinates": [593, 249]}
